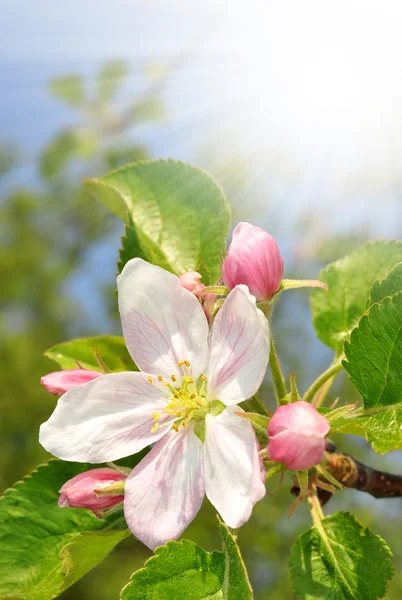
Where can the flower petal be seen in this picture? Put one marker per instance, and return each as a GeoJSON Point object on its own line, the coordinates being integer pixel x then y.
{"type": "Point", "coordinates": [165, 491]}
{"type": "Point", "coordinates": [106, 419]}
{"type": "Point", "coordinates": [239, 349]}
{"type": "Point", "coordinates": [297, 451]}
{"type": "Point", "coordinates": [231, 466]}
{"type": "Point", "coordinates": [163, 323]}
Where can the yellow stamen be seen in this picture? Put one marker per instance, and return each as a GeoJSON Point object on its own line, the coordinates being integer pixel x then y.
{"type": "Point", "coordinates": [180, 364]}
{"type": "Point", "coordinates": [149, 379]}
{"type": "Point", "coordinates": [186, 362]}
{"type": "Point", "coordinates": [204, 377]}
{"type": "Point", "coordinates": [160, 378]}
{"type": "Point", "coordinates": [184, 423]}
{"type": "Point", "coordinates": [173, 377]}
{"type": "Point", "coordinates": [156, 416]}
{"type": "Point", "coordinates": [175, 427]}
{"type": "Point", "coordinates": [154, 427]}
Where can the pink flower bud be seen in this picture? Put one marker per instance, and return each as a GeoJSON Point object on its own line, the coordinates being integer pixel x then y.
{"type": "Point", "coordinates": [297, 436]}
{"type": "Point", "coordinates": [60, 382]}
{"type": "Point", "coordinates": [79, 492]}
{"type": "Point", "coordinates": [191, 282]}
{"type": "Point", "coordinates": [253, 258]}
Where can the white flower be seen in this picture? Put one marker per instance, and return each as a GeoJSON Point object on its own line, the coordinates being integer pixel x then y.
{"type": "Point", "coordinates": [184, 400]}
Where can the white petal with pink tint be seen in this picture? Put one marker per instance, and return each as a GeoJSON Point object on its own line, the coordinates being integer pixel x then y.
{"type": "Point", "coordinates": [165, 491]}
{"type": "Point", "coordinates": [163, 323]}
{"type": "Point", "coordinates": [239, 349]}
{"type": "Point", "coordinates": [231, 466]}
{"type": "Point", "coordinates": [106, 419]}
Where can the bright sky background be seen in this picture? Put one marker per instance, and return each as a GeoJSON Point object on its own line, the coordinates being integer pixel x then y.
{"type": "Point", "coordinates": [309, 92]}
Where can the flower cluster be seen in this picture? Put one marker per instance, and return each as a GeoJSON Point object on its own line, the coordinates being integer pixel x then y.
{"type": "Point", "coordinates": [183, 401]}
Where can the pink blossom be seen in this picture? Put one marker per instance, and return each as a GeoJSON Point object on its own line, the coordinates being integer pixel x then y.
{"type": "Point", "coordinates": [253, 259]}
{"type": "Point", "coordinates": [60, 382]}
{"type": "Point", "coordinates": [297, 436]}
{"type": "Point", "coordinates": [183, 402]}
{"type": "Point", "coordinates": [191, 281]}
{"type": "Point", "coordinates": [79, 492]}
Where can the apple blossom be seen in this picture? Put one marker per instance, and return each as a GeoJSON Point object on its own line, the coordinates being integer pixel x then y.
{"type": "Point", "coordinates": [183, 402]}
{"type": "Point", "coordinates": [60, 382]}
{"type": "Point", "coordinates": [297, 436]}
{"type": "Point", "coordinates": [253, 259]}
{"type": "Point", "coordinates": [80, 491]}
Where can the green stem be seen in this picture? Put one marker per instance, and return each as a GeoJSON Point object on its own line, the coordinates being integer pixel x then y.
{"type": "Point", "coordinates": [319, 382]}
{"type": "Point", "coordinates": [277, 375]}
{"type": "Point", "coordinates": [316, 510]}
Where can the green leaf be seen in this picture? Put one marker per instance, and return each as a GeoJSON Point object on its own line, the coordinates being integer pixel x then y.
{"type": "Point", "coordinates": [179, 215]}
{"type": "Point", "coordinates": [67, 146]}
{"type": "Point", "coordinates": [149, 110]}
{"type": "Point", "coordinates": [42, 547]}
{"type": "Point", "coordinates": [342, 560]}
{"type": "Point", "coordinates": [391, 285]}
{"type": "Point", "coordinates": [381, 426]}
{"type": "Point", "coordinates": [374, 354]}
{"type": "Point", "coordinates": [178, 571]}
{"type": "Point", "coordinates": [184, 571]}
{"type": "Point", "coordinates": [110, 349]}
{"type": "Point", "coordinates": [110, 78]}
{"type": "Point", "coordinates": [69, 89]}
{"type": "Point", "coordinates": [236, 584]}
{"type": "Point", "coordinates": [349, 280]}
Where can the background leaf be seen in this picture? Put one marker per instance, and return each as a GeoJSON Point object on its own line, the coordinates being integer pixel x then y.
{"type": "Point", "coordinates": [110, 348]}
{"type": "Point", "coordinates": [110, 77]}
{"type": "Point", "coordinates": [180, 216]}
{"type": "Point", "coordinates": [349, 281]}
{"type": "Point", "coordinates": [184, 571]}
{"type": "Point", "coordinates": [69, 89]}
{"type": "Point", "coordinates": [341, 560]}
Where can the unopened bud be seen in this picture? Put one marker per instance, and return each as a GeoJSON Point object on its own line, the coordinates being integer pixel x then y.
{"type": "Point", "coordinates": [86, 490]}
{"type": "Point", "coordinates": [253, 259]}
{"type": "Point", "coordinates": [297, 436]}
{"type": "Point", "coordinates": [191, 282]}
{"type": "Point", "coordinates": [60, 382]}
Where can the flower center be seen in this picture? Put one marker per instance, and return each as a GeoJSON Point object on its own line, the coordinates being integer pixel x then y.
{"type": "Point", "coordinates": [187, 402]}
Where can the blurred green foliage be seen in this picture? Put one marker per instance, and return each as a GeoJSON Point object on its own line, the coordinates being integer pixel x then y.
{"type": "Point", "coordinates": [45, 234]}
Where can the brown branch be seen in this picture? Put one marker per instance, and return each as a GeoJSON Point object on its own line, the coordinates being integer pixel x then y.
{"type": "Point", "coordinates": [351, 473]}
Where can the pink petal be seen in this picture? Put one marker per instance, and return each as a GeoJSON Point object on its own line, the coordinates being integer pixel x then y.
{"type": "Point", "coordinates": [299, 417]}
{"type": "Point", "coordinates": [163, 323]}
{"type": "Point", "coordinates": [60, 382]}
{"type": "Point", "coordinates": [165, 491]}
{"type": "Point", "coordinates": [231, 466]}
{"type": "Point", "coordinates": [106, 419]}
{"type": "Point", "coordinates": [298, 452]}
{"type": "Point", "coordinates": [239, 348]}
